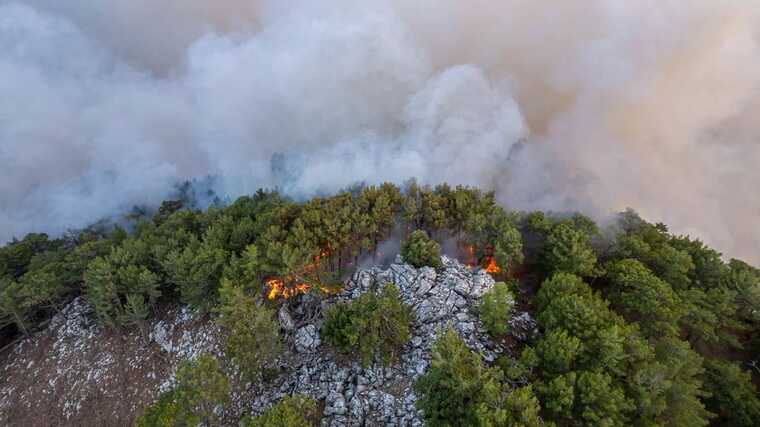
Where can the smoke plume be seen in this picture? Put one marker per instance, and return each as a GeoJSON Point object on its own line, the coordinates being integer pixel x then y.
{"type": "Point", "coordinates": [573, 105]}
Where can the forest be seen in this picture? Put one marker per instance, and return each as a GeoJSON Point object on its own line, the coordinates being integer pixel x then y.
{"type": "Point", "coordinates": [638, 326]}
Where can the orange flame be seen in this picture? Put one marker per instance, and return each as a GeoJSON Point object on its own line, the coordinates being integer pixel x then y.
{"type": "Point", "coordinates": [492, 267]}
{"type": "Point", "coordinates": [277, 288]}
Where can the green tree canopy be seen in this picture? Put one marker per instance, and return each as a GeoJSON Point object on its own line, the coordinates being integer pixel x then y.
{"type": "Point", "coordinates": [460, 390]}
{"type": "Point", "coordinates": [376, 325]}
{"type": "Point", "coordinates": [496, 309]}
{"type": "Point", "coordinates": [568, 250]}
{"type": "Point", "coordinates": [253, 339]}
{"type": "Point", "coordinates": [643, 298]}
{"type": "Point", "coordinates": [420, 251]}
{"type": "Point", "coordinates": [731, 394]}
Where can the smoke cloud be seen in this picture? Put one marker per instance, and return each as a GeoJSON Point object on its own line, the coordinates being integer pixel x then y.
{"type": "Point", "coordinates": [574, 105]}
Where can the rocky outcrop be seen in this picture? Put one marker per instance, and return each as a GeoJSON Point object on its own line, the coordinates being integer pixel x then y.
{"type": "Point", "coordinates": [76, 372]}
{"type": "Point", "coordinates": [94, 368]}
{"type": "Point", "coordinates": [376, 395]}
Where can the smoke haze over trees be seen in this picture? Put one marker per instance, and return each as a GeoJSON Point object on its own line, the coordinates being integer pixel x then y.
{"type": "Point", "coordinates": [575, 105]}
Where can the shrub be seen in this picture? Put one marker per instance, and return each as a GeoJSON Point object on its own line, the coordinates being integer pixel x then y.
{"type": "Point", "coordinates": [375, 325]}
{"type": "Point", "coordinates": [419, 250]}
{"type": "Point", "coordinates": [164, 412]}
{"type": "Point", "coordinates": [202, 388]}
{"type": "Point", "coordinates": [292, 411]}
{"type": "Point", "coordinates": [496, 309]}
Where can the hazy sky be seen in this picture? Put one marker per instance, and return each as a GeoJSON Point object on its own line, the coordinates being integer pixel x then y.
{"type": "Point", "coordinates": [651, 104]}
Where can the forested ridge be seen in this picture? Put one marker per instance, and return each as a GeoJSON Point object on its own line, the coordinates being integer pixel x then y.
{"type": "Point", "coordinates": [637, 326]}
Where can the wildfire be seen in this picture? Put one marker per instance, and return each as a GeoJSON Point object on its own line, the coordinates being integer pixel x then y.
{"type": "Point", "coordinates": [470, 251]}
{"type": "Point", "coordinates": [469, 254]}
{"type": "Point", "coordinates": [277, 288]}
{"type": "Point", "coordinates": [492, 267]}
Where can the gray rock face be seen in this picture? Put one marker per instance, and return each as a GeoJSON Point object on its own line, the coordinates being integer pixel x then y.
{"type": "Point", "coordinates": [285, 319]}
{"type": "Point", "coordinates": [357, 396]}
{"type": "Point", "coordinates": [307, 339]}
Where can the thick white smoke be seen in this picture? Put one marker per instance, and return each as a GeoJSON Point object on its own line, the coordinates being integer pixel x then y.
{"type": "Point", "coordinates": [590, 105]}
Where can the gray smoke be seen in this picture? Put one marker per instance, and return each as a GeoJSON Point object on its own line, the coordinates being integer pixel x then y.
{"type": "Point", "coordinates": [573, 105]}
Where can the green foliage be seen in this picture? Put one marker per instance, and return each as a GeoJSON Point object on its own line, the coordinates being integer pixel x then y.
{"type": "Point", "coordinates": [201, 393]}
{"type": "Point", "coordinates": [632, 358]}
{"type": "Point", "coordinates": [594, 368]}
{"type": "Point", "coordinates": [471, 216]}
{"type": "Point", "coordinates": [558, 351]}
{"type": "Point", "coordinates": [558, 285]}
{"type": "Point", "coordinates": [185, 253]}
{"type": "Point", "coordinates": [196, 271]}
{"type": "Point", "coordinates": [599, 401]}
{"type": "Point", "coordinates": [670, 387]}
{"type": "Point", "coordinates": [420, 251]}
{"type": "Point", "coordinates": [118, 283]}
{"type": "Point", "coordinates": [650, 244]}
{"type": "Point", "coordinates": [708, 313]}
{"type": "Point", "coordinates": [492, 232]}
{"type": "Point", "coordinates": [16, 256]}
{"type": "Point", "coordinates": [374, 325]}
{"type": "Point", "coordinates": [589, 398]}
{"type": "Point", "coordinates": [519, 408]}
{"type": "Point", "coordinates": [744, 279]}
{"type": "Point", "coordinates": [292, 411]}
{"type": "Point", "coordinates": [732, 395]}
{"type": "Point", "coordinates": [569, 250]}
{"type": "Point", "coordinates": [13, 307]}
{"type": "Point", "coordinates": [496, 309]}
{"type": "Point", "coordinates": [165, 412]}
{"type": "Point", "coordinates": [644, 298]}
{"type": "Point", "coordinates": [569, 304]}
{"type": "Point", "coordinates": [460, 390]}
{"type": "Point", "coordinates": [253, 339]}
{"type": "Point", "coordinates": [46, 286]}
{"type": "Point", "coordinates": [709, 269]}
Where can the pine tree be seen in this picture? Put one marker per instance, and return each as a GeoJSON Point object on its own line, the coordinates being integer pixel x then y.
{"type": "Point", "coordinates": [420, 251]}
{"type": "Point", "coordinates": [253, 339]}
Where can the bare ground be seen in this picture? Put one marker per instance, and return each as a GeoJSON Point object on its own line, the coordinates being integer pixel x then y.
{"type": "Point", "coordinates": [75, 373]}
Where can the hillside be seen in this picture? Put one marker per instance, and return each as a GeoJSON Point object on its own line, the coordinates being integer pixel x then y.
{"type": "Point", "coordinates": [376, 306]}
{"type": "Point", "coordinates": [85, 375]}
